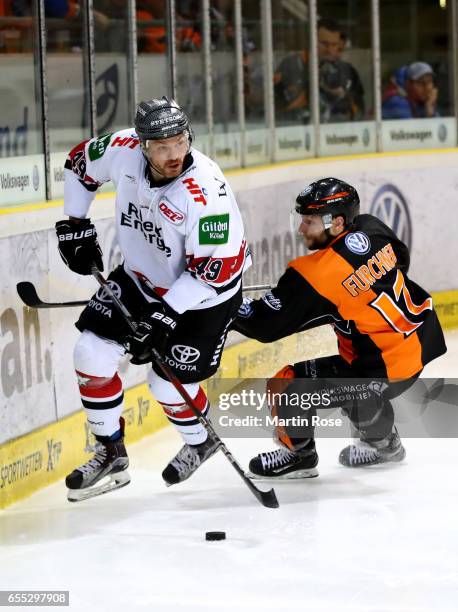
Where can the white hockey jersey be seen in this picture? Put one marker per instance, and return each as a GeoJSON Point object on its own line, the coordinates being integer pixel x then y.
{"type": "Point", "coordinates": [185, 239]}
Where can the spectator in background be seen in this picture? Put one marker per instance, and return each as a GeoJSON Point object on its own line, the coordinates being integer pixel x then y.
{"type": "Point", "coordinates": [151, 19]}
{"type": "Point", "coordinates": [152, 34]}
{"type": "Point", "coordinates": [341, 90]}
{"type": "Point", "coordinates": [411, 93]}
{"type": "Point", "coordinates": [188, 20]}
{"type": "Point", "coordinates": [16, 36]}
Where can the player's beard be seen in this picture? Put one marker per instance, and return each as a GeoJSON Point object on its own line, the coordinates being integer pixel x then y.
{"type": "Point", "coordinates": [316, 243]}
{"type": "Point", "coordinates": [169, 170]}
{"type": "Point", "coordinates": [175, 167]}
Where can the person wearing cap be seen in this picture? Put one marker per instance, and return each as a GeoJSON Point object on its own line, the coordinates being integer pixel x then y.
{"type": "Point", "coordinates": [411, 93]}
{"type": "Point", "coordinates": [181, 237]}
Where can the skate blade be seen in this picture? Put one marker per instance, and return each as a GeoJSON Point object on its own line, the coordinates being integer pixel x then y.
{"type": "Point", "coordinates": [116, 481]}
{"type": "Point", "coordinates": [298, 475]}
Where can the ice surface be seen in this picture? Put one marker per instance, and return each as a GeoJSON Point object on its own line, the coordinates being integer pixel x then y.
{"type": "Point", "coordinates": [379, 539]}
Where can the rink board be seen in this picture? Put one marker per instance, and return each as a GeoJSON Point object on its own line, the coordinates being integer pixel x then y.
{"type": "Point", "coordinates": [49, 453]}
{"type": "Point", "coordinates": [446, 305]}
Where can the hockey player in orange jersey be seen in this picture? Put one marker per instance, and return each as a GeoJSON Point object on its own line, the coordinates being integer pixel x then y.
{"type": "Point", "coordinates": [387, 330]}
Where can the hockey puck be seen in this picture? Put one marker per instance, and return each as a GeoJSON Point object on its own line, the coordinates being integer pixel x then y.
{"type": "Point", "coordinates": [212, 536]}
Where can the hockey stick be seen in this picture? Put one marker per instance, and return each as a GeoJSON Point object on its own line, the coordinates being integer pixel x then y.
{"type": "Point", "coordinates": [267, 498]}
{"type": "Point", "coordinates": [29, 296]}
{"type": "Point", "coordinates": [256, 288]}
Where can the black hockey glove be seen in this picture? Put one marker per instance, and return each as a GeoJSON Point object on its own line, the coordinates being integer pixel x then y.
{"type": "Point", "coordinates": [153, 331]}
{"type": "Point", "coordinates": [78, 245]}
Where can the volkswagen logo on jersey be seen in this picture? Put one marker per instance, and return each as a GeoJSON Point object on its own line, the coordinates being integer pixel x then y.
{"type": "Point", "coordinates": [390, 206]}
{"type": "Point", "coordinates": [103, 296]}
{"type": "Point", "coordinates": [185, 354]}
{"type": "Point", "coordinates": [358, 243]}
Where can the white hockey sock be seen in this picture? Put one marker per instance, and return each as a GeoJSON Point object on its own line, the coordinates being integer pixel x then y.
{"type": "Point", "coordinates": [103, 401]}
{"type": "Point", "coordinates": [96, 361]}
{"type": "Point", "coordinates": [176, 410]}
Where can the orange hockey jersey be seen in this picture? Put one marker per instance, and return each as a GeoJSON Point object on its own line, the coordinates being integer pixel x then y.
{"type": "Point", "coordinates": [385, 323]}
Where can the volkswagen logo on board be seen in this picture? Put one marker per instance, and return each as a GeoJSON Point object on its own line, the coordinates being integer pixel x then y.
{"type": "Point", "coordinates": [390, 206]}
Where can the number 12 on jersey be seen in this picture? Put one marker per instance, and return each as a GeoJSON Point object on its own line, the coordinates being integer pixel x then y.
{"type": "Point", "coordinates": [396, 311]}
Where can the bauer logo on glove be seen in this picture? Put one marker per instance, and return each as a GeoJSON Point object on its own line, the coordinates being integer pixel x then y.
{"type": "Point", "coordinates": [78, 245]}
{"type": "Point", "coordinates": [153, 331]}
{"type": "Point", "coordinates": [78, 235]}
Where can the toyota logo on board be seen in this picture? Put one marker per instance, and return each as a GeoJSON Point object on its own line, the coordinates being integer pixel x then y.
{"type": "Point", "coordinates": [185, 354]}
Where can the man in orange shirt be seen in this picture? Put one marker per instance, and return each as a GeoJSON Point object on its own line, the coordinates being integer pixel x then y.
{"type": "Point", "coordinates": [386, 327]}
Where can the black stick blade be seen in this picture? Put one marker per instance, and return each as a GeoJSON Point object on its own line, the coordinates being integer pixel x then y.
{"type": "Point", "coordinates": [28, 294]}
{"type": "Point", "coordinates": [267, 498]}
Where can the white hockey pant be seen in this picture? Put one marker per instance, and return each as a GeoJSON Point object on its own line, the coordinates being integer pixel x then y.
{"type": "Point", "coordinates": [96, 363]}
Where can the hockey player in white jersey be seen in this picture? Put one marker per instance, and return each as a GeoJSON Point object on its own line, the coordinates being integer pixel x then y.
{"type": "Point", "coordinates": [181, 235]}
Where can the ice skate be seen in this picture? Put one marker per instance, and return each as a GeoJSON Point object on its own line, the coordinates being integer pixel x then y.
{"type": "Point", "coordinates": [110, 460]}
{"type": "Point", "coordinates": [363, 453]}
{"type": "Point", "coordinates": [187, 460]}
{"type": "Point", "coordinates": [283, 464]}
